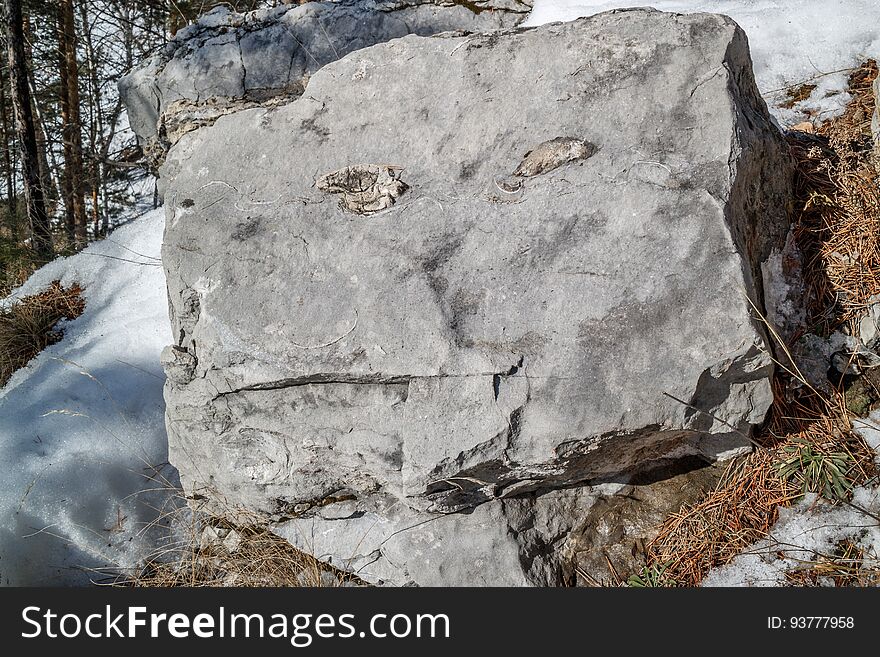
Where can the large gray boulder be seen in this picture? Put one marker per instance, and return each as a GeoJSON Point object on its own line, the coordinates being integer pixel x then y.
{"type": "Point", "coordinates": [226, 60]}
{"type": "Point", "coordinates": [425, 311]}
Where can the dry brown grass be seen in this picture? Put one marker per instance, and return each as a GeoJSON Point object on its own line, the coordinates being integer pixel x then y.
{"type": "Point", "coordinates": [848, 565]}
{"type": "Point", "coordinates": [254, 557]}
{"type": "Point", "coordinates": [797, 94]}
{"type": "Point", "coordinates": [745, 504]}
{"type": "Point", "coordinates": [236, 549]}
{"type": "Point", "coordinates": [28, 326]}
{"type": "Point", "coordinates": [837, 227]}
{"type": "Point", "coordinates": [14, 271]}
{"type": "Point", "coordinates": [736, 514]}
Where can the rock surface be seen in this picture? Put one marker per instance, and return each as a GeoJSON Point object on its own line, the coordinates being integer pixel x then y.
{"type": "Point", "coordinates": [611, 540]}
{"type": "Point", "coordinates": [530, 282]}
{"type": "Point", "coordinates": [226, 61]}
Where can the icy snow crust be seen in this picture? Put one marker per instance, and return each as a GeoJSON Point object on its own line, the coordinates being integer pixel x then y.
{"type": "Point", "coordinates": [82, 433]}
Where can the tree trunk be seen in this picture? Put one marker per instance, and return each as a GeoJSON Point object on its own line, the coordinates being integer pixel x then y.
{"type": "Point", "coordinates": [35, 199]}
{"type": "Point", "coordinates": [73, 130]}
{"type": "Point", "coordinates": [44, 150]}
{"type": "Point", "coordinates": [66, 139]}
{"type": "Point", "coordinates": [11, 203]}
{"type": "Point", "coordinates": [97, 175]}
{"type": "Point", "coordinates": [176, 16]}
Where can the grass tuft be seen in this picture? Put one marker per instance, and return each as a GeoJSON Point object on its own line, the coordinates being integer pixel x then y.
{"type": "Point", "coordinates": [651, 577]}
{"type": "Point", "coordinates": [837, 223]}
{"type": "Point", "coordinates": [29, 325]}
{"type": "Point", "coordinates": [235, 550]}
{"type": "Point", "coordinates": [848, 565]}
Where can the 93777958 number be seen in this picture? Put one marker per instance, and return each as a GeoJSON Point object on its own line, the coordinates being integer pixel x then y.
{"type": "Point", "coordinates": [811, 623]}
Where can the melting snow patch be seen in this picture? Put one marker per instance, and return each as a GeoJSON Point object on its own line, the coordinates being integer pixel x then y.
{"type": "Point", "coordinates": [869, 429]}
{"type": "Point", "coordinates": [83, 448]}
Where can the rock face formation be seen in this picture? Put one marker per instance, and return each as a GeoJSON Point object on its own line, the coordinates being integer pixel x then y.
{"type": "Point", "coordinates": [425, 311]}
{"type": "Point", "coordinates": [226, 61]}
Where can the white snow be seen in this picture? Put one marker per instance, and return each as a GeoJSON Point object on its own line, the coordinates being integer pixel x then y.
{"type": "Point", "coordinates": [869, 429]}
{"type": "Point", "coordinates": [791, 41]}
{"type": "Point", "coordinates": [83, 448]}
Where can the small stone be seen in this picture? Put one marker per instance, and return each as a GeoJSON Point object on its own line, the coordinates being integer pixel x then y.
{"type": "Point", "coordinates": [329, 579]}
{"type": "Point", "coordinates": [232, 541]}
{"type": "Point", "coordinates": [211, 537]}
{"type": "Point", "coordinates": [804, 126]}
{"type": "Point", "coordinates": [869, 326]}
{"type": "Point", "coordinates": [339, 510]}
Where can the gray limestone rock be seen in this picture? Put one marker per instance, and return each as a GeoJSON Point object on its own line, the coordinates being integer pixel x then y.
{"type": "Point", "coordinates": [228, 61]}
{"type": "Point", "coordinates": [413, 392]}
